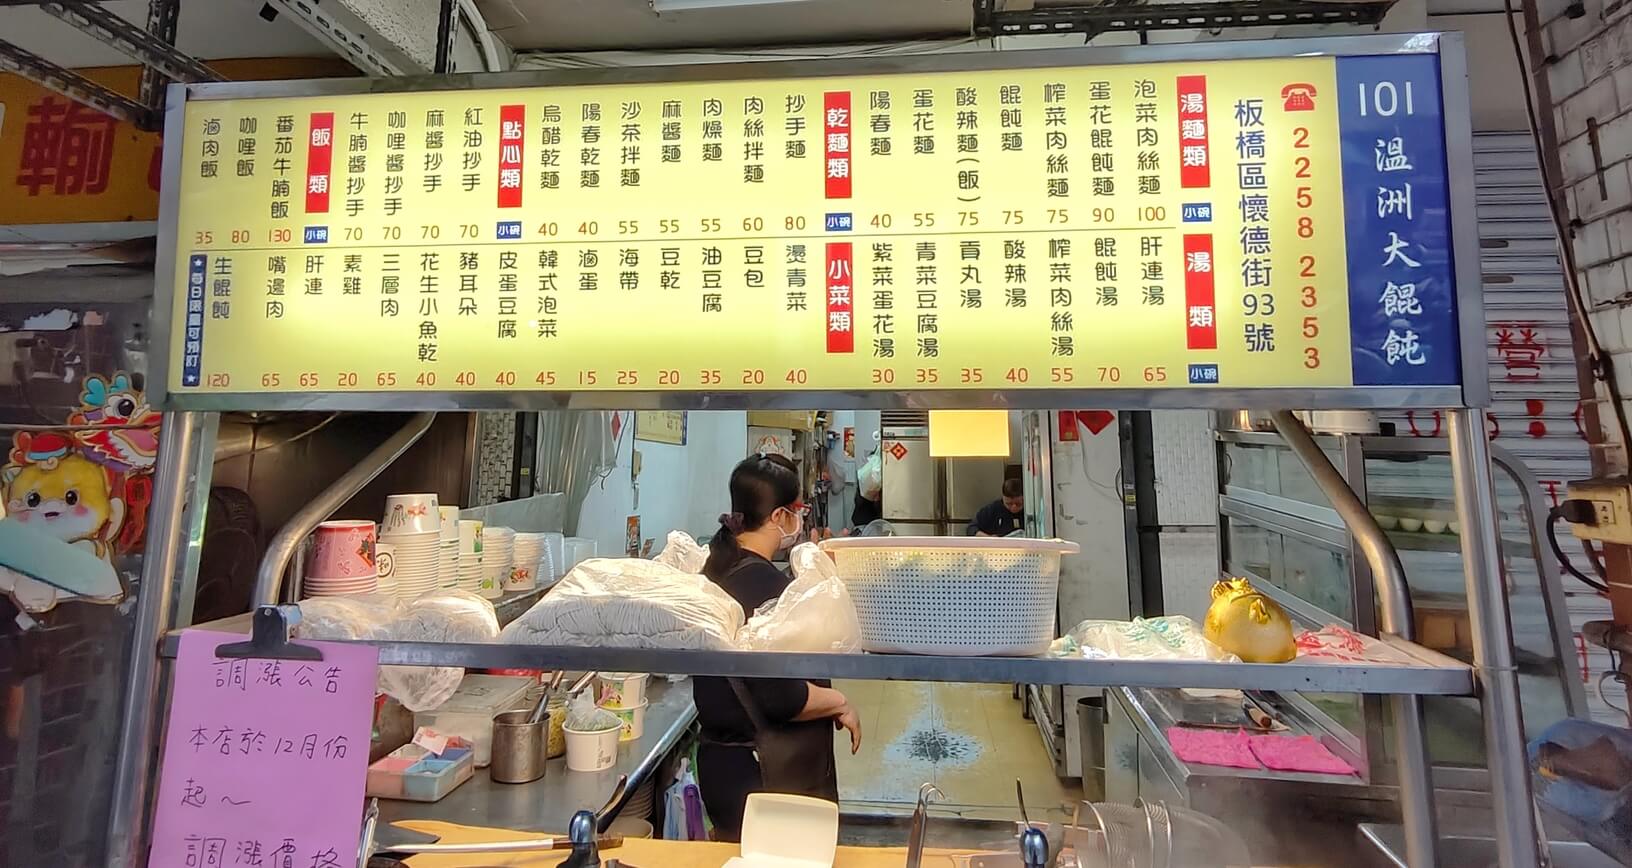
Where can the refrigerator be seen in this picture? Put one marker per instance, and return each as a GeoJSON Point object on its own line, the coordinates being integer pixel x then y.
{"type": "Point", "coordinates": [928, 496]}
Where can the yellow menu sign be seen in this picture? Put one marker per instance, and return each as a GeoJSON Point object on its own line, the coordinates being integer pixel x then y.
{"type": "Point", "coordinates": [1191, 224]}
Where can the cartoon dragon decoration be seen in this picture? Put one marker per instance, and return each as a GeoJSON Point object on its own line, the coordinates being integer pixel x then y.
{"type": "Point", "coordinates": [88, 485]}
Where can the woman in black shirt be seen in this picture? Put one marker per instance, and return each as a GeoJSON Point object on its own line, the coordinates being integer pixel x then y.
{"type": "Point", "coordinates": [764, 519]}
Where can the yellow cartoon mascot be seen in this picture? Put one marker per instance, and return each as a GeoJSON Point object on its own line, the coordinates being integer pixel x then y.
{"type": "Point", "coordinates": [51, 487]}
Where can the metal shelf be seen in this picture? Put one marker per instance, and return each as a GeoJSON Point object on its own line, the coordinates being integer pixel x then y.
{"type": "Point", "coordinates": [1435, 674]}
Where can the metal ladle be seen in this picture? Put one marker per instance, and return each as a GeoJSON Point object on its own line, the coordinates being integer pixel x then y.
{"type": "Point", "coordinates": [1033, 843]}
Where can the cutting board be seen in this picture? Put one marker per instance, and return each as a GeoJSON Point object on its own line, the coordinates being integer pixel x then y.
{"type": "Point", "coordinates": [638, 853]}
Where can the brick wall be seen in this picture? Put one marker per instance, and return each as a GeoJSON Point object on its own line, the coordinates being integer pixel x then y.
{"type": "Point", "coordinates": [1588, 76]}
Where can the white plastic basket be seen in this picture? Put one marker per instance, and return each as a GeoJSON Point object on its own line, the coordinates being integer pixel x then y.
{"type": "Point", "coordinates": [966, 596]}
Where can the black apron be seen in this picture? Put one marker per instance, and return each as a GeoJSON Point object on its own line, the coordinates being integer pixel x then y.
{"type": "Point", "coordinates": [786, 752]}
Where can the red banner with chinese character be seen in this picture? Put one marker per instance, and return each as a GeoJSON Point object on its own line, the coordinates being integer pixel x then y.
{"type": "Point", "coordinates": [836, 144]}
{"type": "Point", "coordinates": [1201, 323]}
{"type": "Point", "coordinates": [512, 127]}
{"type": "Point", "coordinates": [841, 329]}
{"type": "Point", "coordinates": [1195, 169]}
{"type": "Point", "coordinates": [319, 161]}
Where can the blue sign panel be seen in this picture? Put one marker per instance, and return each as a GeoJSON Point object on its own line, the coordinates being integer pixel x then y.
{"type": "Point", "coordinates": [840, 222]}
{"type": "Point", "coordinates": [192, 348]}
{"type": "Point", "coordinates": [1204, 375]}
{"type": "Point", "coordinates": [317, 235]}
{"type": "Point", "coordinates": [509, 230]}
{"type": "Point", "coordinates": [1396, 198]}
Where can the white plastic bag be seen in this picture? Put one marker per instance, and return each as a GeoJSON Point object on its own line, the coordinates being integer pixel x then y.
{"type": "Point", "coordinates": [814, 612]}
{"type": "Point", "coordinates": [681, 552]}
{"type": "Point", "coordinates": [870, 477]}
{"type": "Point", "coordinates": [630, 603]}
{"type": "Point", "coordinates": [451, 616]}
{"type": "Point", "coordinates": [1169, 637]}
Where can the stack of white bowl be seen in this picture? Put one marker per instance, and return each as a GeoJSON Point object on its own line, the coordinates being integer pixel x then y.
{"type": "Point", "coordinates": [413, 528]}
{"type": "Point", "coordinates": [498, 551]}
{"type": "Point", "coordinates": [527, 564]}
{"type": "Point", "coordinates": [447, 552]}
{"type": "Point", "coordinates": [470, 556]}
{"type": "Point", "coordinates": [342, 561]}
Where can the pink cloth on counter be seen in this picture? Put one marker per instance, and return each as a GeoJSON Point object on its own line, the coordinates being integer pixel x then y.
{"type": "Point", "coordinates": [1297, 753]}
{"type": "Point", "coordinates": [1212, 747]}
{"type": "Point", "coordinates": [1332, 642]}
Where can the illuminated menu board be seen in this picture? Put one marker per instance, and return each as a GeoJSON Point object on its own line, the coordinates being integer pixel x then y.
{"type": "Point", "coordinates": [1218, 224]}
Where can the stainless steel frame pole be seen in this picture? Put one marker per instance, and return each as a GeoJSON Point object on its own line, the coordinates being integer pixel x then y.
{"type": "Point", "coordinates": [269, 578]}
{"type": "Point", "coordinates": [178, 463]}
{"type": "Point", "coordinates": [1515, 820]}
{"type": "Point", "coordinates": [1410, 727]}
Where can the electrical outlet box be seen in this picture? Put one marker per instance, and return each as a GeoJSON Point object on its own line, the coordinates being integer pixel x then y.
{"type": "Point", "coordinates": [1611, 502]}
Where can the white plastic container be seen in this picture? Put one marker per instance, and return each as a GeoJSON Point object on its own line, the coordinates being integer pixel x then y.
{"type": "Point", "coordinates": [960, 596]}
{"type": "Point", "coordinates": [633, 719]}
{"type": "Point", "coordinates": [782, 831]}
{"type": "Point", "coordinates": [620, 689]}
{"type": "Point", "coordinates": [469, 711]}
{"type": "Point", "coordinates": [592, 751]}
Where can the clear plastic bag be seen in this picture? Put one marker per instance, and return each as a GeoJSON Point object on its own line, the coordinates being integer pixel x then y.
{"type": "Point", "coordinates": [814, 612]}
{"type": "Point", "coordinates": [452, 616]}
{"type": "Point", "coordinates": [630, 603]}
{"type": "Point", "coordinates": [681, 552]}
{"type": "Point", "coordinates": [1169, 637]}
{"type": "Point", "coordinates": [583, 715]}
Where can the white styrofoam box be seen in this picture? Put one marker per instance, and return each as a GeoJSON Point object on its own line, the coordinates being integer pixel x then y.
{"type": "Point", "coordinates": [1184, 456]}
{"type": "Point", "coordinates": [1190, 562]}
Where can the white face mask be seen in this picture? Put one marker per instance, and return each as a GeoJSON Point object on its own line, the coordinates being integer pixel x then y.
{"type": "Point", "coordinates": [788, 539]}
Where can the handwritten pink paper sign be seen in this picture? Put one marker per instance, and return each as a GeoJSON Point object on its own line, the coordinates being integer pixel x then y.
{"type": "Point", "coordinates": [265, 761]}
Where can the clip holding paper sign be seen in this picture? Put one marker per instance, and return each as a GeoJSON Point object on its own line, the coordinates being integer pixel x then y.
{"type": "Point", "coordinates": [269, 637]}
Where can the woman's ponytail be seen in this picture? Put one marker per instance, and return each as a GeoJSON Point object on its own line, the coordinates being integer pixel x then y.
{"type": "Point", "coordinates": [723, 549]}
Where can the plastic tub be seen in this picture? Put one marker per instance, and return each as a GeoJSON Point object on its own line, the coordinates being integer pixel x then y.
{"type": "Point", "coordinates": [592, 750]}
{"type": "Point", "coordinates": [410, 772]}
{"type": "Point", "coordinates": [620, 689]}
{"type": "Point", "coordinates": [633, 718]}
{"type": "Point", "coordinates": [959, 596]}
{"type": "Point", "coordinates": [469, 712]}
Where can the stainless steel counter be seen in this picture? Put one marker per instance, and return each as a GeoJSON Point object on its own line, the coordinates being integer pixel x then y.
{"type": "Point", "coordinates": [546, 804]}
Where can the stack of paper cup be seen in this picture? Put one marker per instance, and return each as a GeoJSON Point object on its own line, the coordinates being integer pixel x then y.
{"type": "Point", "coordinates": [470, 556]}
{"type": "Point", "coordinates": [342, 561]}
{"type": "Point", "coordinates": [413, 527]}
{"type": "Point", "coordinates": [385, 562]}
{"type": "Point", "coordinates": [498, 550]}
{"type": "Point", "coordinates": [529, 553]}
{"type": "Point", "coordinates": [448, 549]}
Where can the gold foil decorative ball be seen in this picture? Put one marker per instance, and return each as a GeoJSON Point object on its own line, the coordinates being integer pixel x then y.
{"type": "Point", "coordinates": [1248, 624]}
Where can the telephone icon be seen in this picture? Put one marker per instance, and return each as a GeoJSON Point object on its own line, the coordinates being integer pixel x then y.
{"type": "Point", "coordinates": [1298, 97]}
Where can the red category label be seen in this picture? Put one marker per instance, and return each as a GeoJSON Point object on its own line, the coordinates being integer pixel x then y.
{"type": "Point", "coordinates": [841, 325]}
{"type": "Point", "coordinates": [512, 123]}
{"type": "Point", "coordinates": [836, 144]}
{"type": "Point", "coordinates": [1195, 162]}
{"type": "Point", "coordinates": [1201, 313]}
{"type": "Point", "coordinates": [319, 161]}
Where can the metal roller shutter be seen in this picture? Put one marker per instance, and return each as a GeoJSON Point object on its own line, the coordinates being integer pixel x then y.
{"type": "Point", "coordinates": [1535, 398]}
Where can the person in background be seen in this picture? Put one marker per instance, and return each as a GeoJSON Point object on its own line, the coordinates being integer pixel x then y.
{"type": "Point", "coordinates": [801, 716]}
{"type": "Point", "coordinates": [1003, 516]}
